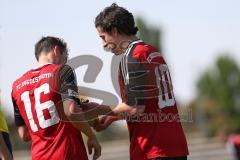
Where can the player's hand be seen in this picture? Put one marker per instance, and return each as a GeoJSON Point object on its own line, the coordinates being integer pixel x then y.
{"type": "Point", "coordinates": [90, 106]}
{"type": "Point", "coordinates": [90, 110]}
{"type": "Point", "coordinates": [104, 122]}
{"type": "Point", "coordinates": [24, 133]}
{"type": "Point", "coordinates": [84, 100]}
{"type": "Point", "coordinates": [92, 143]}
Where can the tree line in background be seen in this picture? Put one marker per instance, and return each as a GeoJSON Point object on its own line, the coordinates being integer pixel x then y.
{"type": "Point", "coordinates": [218, 99]}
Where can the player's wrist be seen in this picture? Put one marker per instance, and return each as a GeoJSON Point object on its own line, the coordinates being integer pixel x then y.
{"type": "Point", "coordinates": [115, 118]}
{"type": "Point", "coordinates": [92, 136]}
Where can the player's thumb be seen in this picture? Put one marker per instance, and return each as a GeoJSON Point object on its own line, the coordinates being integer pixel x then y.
{"type": "Point", "coordinates": [102, 119]}
{"type": "Point", "coordinates": [90, 147]}
{"type": "Point", "coordinates": [97, 153]}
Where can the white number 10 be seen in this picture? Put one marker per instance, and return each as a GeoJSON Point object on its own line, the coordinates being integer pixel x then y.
{"type": "Point", "coordinates": [39, 107]}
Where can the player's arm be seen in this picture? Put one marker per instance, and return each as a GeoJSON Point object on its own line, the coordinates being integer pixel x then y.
{"type": "Point", "coordinates": [96, 109]}
{"type": "Point", "coordinates": [72, 109]}
{"type": "Point", "coordinates": [24, 133]}
{"type": "Point", "coordinates": [69, 92]}
{"type": "Point", "coordinates": [76, 116]}
{"type": "Point", "coordinates": [110, 115]}
{"type": "Point", "coordinates": [132, 105]}
{"type": "Point", "coordinates": [121, 111]}
{"type": "Point", "coordinates": [128, 109]}
{"type": "Point", "coordinates": [4, 152]}
{"type": "Point", "coordinates": [139, 87]}
{"type": "Point", "coordinates": [19, 122]}
{"type": "Point", "coordinates": [134, 94]}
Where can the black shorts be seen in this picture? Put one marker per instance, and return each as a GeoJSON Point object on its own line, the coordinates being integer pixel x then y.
{"type": "Point", "coordinates": [171, 158]}
{"type": "Point", "coordinates": [7, 141]}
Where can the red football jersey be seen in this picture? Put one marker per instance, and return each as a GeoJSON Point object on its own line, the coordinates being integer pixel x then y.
{"type": "Point", "coordinates": [37, 97]}
{"type": "Point", "coordinates": [144, 79]}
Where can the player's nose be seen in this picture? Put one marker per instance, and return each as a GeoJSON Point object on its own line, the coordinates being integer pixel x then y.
{"type": "Point", "coordinates": [104, 44]}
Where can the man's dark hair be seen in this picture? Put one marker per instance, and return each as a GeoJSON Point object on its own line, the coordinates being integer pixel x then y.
{"type": "Point", "coordinates": [117, 17]}
{"type": "Point", "coordinates": [45, 44]}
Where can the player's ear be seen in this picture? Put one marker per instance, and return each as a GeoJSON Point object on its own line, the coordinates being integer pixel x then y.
{"type": "Point", "coordinates": [56, 50]}
{"type": "Point", "coordinates": [114, 32]}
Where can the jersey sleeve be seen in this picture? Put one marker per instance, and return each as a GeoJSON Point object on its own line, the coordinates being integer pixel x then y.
{"type": "Point", "coordinates": [17, 116]}
{"type": "Point", "coordinates": [133, 83]}
{"type": "Point", "coordinates": [140, 78]}
{"type": "Point", "coordinates": [68, 84]}
{"type": "Point", "coordinates": [155, 58]}
{"type": "Point", "coordinates": [135, 87]}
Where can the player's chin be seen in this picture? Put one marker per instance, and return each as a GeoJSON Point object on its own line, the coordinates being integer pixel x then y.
{"type": "Point", "coordinates": [116, 53]}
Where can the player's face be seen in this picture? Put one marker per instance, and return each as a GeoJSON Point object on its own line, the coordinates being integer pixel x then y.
{"type": "Point", "coordinates": [60, 57]}
{"type": "Point", "coordinates": [110, 41]}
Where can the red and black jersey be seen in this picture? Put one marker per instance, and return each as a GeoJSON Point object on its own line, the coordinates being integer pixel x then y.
{"type": "Point", "coordinates": [38, 103]}
{"type": "Point", "coordinates": [144, 79]}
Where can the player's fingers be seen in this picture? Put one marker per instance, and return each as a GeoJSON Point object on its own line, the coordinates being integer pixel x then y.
{"type": "Point", "coordinates": [102, 119]}
{"type": "Point", "coordinates": [99, 128]}
{"type": "Point", "coordinates": [90, 148]}
{"type": "Point", "coordinates": [102, 126]}
{"type": "Point", "coordinates": [97, 152]}
{"type": "Point", "coordinates": [106, 123]}
{"type": "Point", "coordinates": [83, 100]}
{"type": "Point", "coordinates": [96, 156]}
{"type": "Point", "coordinates": [95, 127]}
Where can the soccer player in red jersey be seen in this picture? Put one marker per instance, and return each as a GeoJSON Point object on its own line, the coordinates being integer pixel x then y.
{"type": "Point", "coordinates": [146, 90]}
{"type": "Point", "coordinates": [47, 108]}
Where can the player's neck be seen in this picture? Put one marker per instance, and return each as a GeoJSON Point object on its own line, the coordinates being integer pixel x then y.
{"type": "Point", "coordinates": [43, 60]}
{"type": "Point", "coordinates": [129, 38]}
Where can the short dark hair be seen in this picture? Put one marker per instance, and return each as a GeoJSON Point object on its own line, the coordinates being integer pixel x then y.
{"type": "Point", "coordinates": [117, 17]}
{"type": "Point", "coordinates": [45, 44]}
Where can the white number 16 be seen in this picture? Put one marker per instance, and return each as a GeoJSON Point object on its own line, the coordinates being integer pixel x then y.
{"type": "Point", "coordinates": [39, 107]}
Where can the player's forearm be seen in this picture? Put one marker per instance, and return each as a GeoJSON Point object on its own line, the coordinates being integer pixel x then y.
{"type": "Point", "coordinates": [94, 111]}
{"type": "Point", "coordinates": [77, 118]}
{"type": "Point", "coordinates": [119, 112]}
{"type": "Point", "coordinates": [126, 110]}
{"type": "Point", "coordinates": [79, 122]}
{"type": "Point", "coordinates": [85, 128]}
